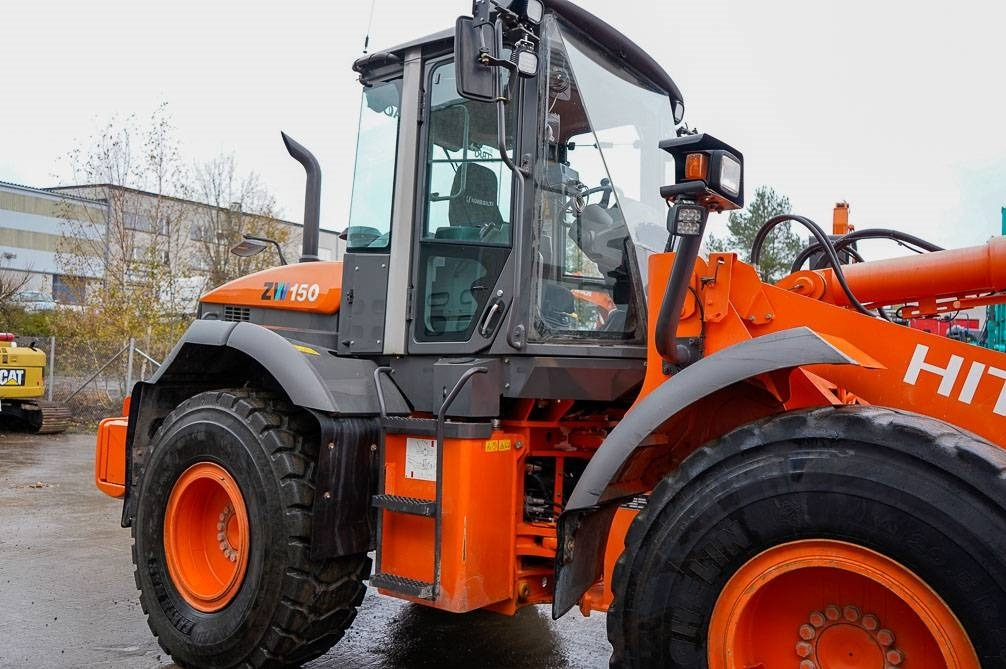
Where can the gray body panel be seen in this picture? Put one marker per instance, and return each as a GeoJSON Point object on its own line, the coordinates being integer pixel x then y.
{"type": "Point", "coordinates": [422, 380]}
{"type": "Point", "coordinates": [364, 300]}
{"type": "Point", "coordinates": [322, 382]}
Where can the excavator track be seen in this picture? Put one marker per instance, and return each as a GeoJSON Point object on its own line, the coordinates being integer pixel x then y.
{"type": "Point", "coordinates": [45, 417]}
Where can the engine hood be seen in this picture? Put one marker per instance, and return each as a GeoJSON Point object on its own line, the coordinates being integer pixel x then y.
{"type": "Point", "coordinates": [313, 287]}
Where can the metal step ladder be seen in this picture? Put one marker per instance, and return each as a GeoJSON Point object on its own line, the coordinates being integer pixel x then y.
{"type": "Point", "coordinates": [440, 429]}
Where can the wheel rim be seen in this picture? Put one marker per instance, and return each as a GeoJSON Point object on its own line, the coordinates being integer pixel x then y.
{"type": "Point", "coordinates": [206, 537]}
{"type": "Point", "coordinates": [821, 604]}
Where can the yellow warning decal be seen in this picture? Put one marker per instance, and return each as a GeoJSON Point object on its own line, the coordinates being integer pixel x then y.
{"type": "Point", "coordinates": [305, 349]}
{"type": "Point", "coordinates": [497, 445]}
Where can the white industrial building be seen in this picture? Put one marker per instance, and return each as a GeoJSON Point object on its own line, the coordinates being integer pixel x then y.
{"type": "Point", "coordinates": [33, 220]}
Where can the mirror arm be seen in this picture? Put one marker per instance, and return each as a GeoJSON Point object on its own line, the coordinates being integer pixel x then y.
{"type": "Point", "coordinates": [520, 172]}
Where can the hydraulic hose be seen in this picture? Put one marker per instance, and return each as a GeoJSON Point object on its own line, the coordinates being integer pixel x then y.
{"type": "Point", "coordinates": [873, 233]}
{"type": "Point", "coordinates": [826, 245]}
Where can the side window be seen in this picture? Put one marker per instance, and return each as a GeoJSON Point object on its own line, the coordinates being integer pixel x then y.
{"type": "Point", "coordinates": [468, 186]}
{"type": "Point", "coordinates": [374, 175]}
{"type": "Point", "coordinates": [466, 229]}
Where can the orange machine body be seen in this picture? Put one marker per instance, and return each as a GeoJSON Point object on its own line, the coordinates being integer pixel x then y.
{"type": "Point", "coordinates": [492, 557]}
{"type": "Point", "coordinates": [314, 287]}
{"type": "Point", "coordinates": [912, 370]}
{"type": "Point", "coordinates": [480, 513]}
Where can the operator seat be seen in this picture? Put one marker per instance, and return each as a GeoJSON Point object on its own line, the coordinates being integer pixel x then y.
{"type": "Point", "coordinates": [458, 290]}
{"type": "Point", "coordinates": [475, 206]}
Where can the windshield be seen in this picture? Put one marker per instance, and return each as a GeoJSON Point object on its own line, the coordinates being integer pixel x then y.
{"type": "Point", "coordinates": [599, 210]}
{"type": "Point", "coordinates": [628, 119]}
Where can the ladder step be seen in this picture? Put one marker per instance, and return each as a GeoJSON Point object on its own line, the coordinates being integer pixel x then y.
{"type": "Point", "coordinates": [427, 427]}
{"type": "Point", "coordinates": [411, 505]}
{"type": "Point", "coordinates": [402, 585]}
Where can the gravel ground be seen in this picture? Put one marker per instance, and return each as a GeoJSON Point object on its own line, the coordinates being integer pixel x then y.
{"type": "Point", "coordinates": [67, 597]}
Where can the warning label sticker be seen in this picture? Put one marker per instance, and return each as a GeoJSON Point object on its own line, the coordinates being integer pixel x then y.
{"type": "Point", "coordinates": [497, 445]}
{"type": "Point", "coordinates": [421, 459]}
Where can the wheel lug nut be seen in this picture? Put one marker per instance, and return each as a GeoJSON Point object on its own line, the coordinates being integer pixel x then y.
{"type": "Point", "coordinates": [832, 612]}
{"type": "Point", "coordinates": [870, 622]}
{"type": "Point", "coordinates": [807, 632]}
{"type": "Point", "coordinates": [894, 657]}
{"type": "Point", "coordinates": [817, 619]}
{"type": "Point", "coordinates": [803, 649]}
{"type": "Point", "coordinates": [885, 637]}
{"type": "Point", "coordinates": [807, 664]}
{"type": "Point", "coordinates": [851, 613]}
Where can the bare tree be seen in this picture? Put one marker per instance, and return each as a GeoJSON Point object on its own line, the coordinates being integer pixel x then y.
{"type": "Point", "coordinates": [126, 253]}
{"type": "Point", "coordinates": [11, 283]}
{"type": "Point", "coordinates": [237, 205]}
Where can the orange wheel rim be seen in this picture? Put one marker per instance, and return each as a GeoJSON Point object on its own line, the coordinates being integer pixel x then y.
{"type": "Point", "coordinates": [206, 537]}
{"type": "Point", "coordinates": [821, 604]}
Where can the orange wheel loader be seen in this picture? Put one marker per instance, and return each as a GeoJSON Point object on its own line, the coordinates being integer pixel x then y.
{"type": "Point", "coordinates": [741, 475]}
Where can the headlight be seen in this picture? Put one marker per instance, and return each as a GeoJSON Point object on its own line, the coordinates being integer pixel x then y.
{"type": "Point", "coordinates": [707, 170]}
{"type": "Point", "coordinates": [730, 175]}
{"type": "Point", "coordinates": [535, 10]}
{"type": "Point", "coordinates": [526, 61]}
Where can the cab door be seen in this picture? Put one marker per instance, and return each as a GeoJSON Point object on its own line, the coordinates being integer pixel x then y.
{"type": "Point", "coordinates": [461, 290]}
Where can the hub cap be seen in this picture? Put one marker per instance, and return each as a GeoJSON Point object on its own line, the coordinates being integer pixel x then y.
{"type": "Point", "coordinates": [206, 537]}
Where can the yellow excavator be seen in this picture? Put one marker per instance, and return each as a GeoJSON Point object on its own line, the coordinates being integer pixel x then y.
{"type": "Point", "coordinates": [22, 388]}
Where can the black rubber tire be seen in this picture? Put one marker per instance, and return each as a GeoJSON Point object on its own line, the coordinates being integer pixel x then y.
{"type": "Point", "coordinates": [289, 609]}
{"type": "Point", "coordinates": [909, 487]}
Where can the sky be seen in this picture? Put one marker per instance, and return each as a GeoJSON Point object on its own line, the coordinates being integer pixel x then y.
{"type": "Point", "coordinates": [895, 107]}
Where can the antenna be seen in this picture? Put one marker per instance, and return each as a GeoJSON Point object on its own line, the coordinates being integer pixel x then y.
{"type": "Point", "coordinates": [370, 22]}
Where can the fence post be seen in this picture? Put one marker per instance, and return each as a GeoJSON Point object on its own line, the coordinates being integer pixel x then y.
{"type": "Point", "coordinates": [129, 366]}
{"type": "Point", "coordinates": [51, 381]}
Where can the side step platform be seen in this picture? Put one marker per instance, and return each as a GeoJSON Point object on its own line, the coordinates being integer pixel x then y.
{"type": "Point", "coordinates": [427, 427]}
{"type": "Point", "coordinates": [405, 586]}
{"type": "Point", "coordinates": [414, 506]}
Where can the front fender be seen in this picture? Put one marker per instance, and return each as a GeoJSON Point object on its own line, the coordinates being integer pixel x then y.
{"type": "Point", "coordinates": [583, 525]}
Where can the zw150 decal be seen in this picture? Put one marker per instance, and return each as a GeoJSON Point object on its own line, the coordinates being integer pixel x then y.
{"type": "Point", "coordinates": [977, 371]}
{"type": "Point", "coordinates": [293, 292]}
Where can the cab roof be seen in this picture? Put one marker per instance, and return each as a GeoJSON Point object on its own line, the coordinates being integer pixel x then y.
{"type": "Point", "coordinates": [616, 44]}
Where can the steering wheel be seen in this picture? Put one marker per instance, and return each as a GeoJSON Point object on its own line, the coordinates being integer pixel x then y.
{"type": "Point", "coordinates": [578, 201]}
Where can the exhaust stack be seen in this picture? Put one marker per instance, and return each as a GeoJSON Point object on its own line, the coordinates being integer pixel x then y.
{"type": "Point", "coordinates": [312, 198]}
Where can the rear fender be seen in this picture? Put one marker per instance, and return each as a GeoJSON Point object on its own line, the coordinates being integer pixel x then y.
{"type": "Point", "coordinates": [584, 524]}
{"type": "Point", "coordinates": [218, 354]}
{"type": "Point", "coordinates": [311, 376]}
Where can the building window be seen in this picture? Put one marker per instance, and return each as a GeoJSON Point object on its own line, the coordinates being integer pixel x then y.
{"type": "Point", "coordinates": [68, 289]}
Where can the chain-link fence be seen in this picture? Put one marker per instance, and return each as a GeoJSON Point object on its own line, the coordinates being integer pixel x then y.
{"type": "Point", "coordinates": [91, 378]}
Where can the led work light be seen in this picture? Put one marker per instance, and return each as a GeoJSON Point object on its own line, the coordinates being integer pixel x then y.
{"type": "Point", "coordinates": [707, 171]}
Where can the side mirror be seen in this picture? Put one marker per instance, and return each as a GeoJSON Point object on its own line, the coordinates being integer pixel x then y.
{"type": "Point", "coordinates": [251, 245]}
{"type": "Point", "coordinates": [476, 80]}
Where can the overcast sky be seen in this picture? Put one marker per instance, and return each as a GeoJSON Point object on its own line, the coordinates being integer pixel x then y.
{"type": "Point", "coordinates": [896, 107]}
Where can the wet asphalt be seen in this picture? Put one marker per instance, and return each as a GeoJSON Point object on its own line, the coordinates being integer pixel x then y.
{"type": "Point", "coordinates": [67, 597]}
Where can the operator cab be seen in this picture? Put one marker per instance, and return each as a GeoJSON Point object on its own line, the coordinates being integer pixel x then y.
{"type": "Point", "coordinates": [520, 227]}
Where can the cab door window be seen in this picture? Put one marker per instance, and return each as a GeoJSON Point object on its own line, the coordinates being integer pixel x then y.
{"type": "Point", "coordinates": [466, 228]}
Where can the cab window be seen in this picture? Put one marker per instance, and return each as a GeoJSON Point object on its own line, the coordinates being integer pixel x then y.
{"type": "Point", "coordinates": [374, 174]}
{"type": "Point", "coordinates": [466, 227]}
